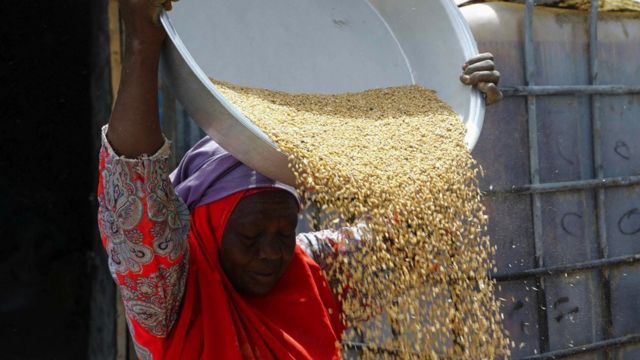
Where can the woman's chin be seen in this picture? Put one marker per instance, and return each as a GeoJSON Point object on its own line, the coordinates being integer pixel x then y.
{"type": "Point", "coordinates": [256, 284]}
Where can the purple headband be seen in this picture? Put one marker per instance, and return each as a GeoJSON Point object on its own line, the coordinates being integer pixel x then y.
{"type": "Point", "coordinates": [208, 173]}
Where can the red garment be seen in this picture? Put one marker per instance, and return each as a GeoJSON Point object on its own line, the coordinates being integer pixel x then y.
{"type": "Point", "coordinates": [298, 319]}
{"type": "Point", "coordinates": [179, 304]}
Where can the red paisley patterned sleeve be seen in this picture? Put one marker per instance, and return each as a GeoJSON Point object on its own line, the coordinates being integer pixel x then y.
{"type": "Point", "coordinates": [144, 227]}
{"type": "Point", "coordinates": [324, 245]}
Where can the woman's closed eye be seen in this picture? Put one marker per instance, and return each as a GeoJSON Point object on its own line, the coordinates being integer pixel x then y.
{"type": "Point", "coordinates": [287, 233]}
{"type": "Point", "coordinates": [251, 235]}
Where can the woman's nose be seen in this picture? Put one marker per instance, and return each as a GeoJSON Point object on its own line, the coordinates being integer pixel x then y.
{"type": "Point", "coordinates": [269, 248]}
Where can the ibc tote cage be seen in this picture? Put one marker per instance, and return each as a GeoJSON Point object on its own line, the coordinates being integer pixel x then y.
{"type": "Point", "coordinates": [604, 263]}
{"type": "Point", "coordinates": [186, 134]}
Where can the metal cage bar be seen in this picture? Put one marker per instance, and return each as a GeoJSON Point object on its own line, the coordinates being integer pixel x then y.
{"type": "Point", "coordinates": [607, 322]}
{"type": "Point", "coordinates": [605, 345]}
{"type": "Point", "coordinates": [568, 268]}
{"type": "Point", "coordinates": [534, 168]}
{"type": "Point", "coordinates": [618, 181]}
{"type": "Point", "coordinates": [570, 90]}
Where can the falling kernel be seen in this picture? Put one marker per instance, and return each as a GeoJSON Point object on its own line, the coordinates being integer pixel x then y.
{"type": "Point", "coordinates": [395, 158]}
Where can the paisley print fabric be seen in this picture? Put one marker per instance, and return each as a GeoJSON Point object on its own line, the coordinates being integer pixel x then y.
{"type": "Point", "coordinates": [119, 214]}
{"type": "Point", "coordinates": [323, 245]}
{"type": "Point", "coordinates": [153, 301]}
{"type": "Point", "coordinates": [144, 228]}
{"type": "Point", "coordinates": [169, 213]}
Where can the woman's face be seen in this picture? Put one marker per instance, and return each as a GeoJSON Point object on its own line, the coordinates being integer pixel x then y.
{"type": "Point", "coordinates": [259, 240]}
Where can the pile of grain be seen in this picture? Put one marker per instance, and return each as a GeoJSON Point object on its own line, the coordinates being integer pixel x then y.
{"type": "Point", "coordinates": [394, 157]}
{"type": "Point", "coordinates": [603, 5]}
{"type": "Point", "coordinates": [622, 6]}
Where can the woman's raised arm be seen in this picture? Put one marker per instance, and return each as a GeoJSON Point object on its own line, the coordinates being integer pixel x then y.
{"type": "Point", "coordinates": [134, 127]}
{"type": "Point", "coordinates": [143, 224]}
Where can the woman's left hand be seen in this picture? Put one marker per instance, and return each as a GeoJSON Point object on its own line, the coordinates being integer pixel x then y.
{"type": "Point", "coordinates": [480, 72]}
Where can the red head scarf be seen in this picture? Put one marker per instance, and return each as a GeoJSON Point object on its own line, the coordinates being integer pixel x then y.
{"type": "Point", "coordinates": [298, 319]}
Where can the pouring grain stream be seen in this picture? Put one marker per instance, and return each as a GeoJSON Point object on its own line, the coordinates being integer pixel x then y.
{"type": "Point", "coordinates": [395, 157]}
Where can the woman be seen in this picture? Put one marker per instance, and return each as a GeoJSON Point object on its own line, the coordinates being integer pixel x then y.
{"type": "Point", "coordinates": [207, 261]}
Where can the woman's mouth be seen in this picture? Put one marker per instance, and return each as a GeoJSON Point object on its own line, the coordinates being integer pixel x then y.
{"type": "Point", "coordinates": [264, 274]}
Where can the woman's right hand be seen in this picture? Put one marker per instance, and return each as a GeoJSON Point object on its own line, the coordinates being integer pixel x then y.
{"type": "Point", "coordinates": [141, 21]}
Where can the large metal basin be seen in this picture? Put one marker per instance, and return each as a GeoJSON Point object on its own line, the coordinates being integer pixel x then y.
{"type": "Point", "coordinates": [312, 46]}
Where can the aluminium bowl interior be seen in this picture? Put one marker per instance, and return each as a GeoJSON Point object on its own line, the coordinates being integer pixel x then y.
{"type": "Point", "coordinates": [311, 46]}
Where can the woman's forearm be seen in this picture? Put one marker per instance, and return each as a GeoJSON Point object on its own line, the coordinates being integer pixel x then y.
{"type": "Point", "coordinates": [134, 127]}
